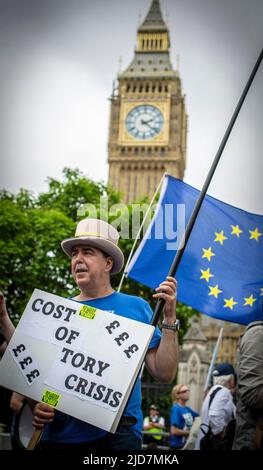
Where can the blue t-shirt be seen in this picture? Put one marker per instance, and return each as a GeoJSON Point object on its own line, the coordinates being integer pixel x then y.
{"type": "Point", "coordinates": [182, 417]}
{"type": "Point", "coordinates": [66, 429]}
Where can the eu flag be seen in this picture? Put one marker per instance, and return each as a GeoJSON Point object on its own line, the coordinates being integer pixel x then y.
{"type": "Point", "coordinates": [221, 271]}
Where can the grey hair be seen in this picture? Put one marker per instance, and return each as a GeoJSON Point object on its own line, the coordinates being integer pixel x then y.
{"type": "Point", "coordinates": [222, 379]}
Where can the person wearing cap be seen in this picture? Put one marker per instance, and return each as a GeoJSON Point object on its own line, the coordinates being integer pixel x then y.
{"type": "Point", "coordinates": [218, 408]}
{"type": "Point", "coordinates": [154, 424]}
{"type": "Point", "coordinates": [95, 255]}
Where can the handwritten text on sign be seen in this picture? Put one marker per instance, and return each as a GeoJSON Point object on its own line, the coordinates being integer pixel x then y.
{"type": "Point", "coordinates": [74, 356]}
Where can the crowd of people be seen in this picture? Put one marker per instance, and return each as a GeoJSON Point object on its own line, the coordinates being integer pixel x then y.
{"type": "Point", "coordinates": [232, 412]}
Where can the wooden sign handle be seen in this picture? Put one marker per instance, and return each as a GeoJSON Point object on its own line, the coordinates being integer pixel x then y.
{"type": "Point", "coordinates": [35, 438]}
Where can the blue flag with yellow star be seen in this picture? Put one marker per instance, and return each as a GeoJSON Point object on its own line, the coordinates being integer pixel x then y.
{"type": "Point", "coordinates": [221, 271]}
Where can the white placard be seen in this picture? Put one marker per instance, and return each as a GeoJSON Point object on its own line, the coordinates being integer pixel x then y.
{"type": "Point", "coordinates": [74, 356]}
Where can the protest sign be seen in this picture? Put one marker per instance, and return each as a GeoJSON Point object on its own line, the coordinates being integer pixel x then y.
{"type": "Point", "coordinates": [81, 360]}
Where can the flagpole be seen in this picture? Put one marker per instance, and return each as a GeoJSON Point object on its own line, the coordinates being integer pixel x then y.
{"type": "Point", "coordinates": [190, 225]}
{"type": "Point", "coordinates": [139, 231]}
{"type": "Point", "coordinates": [214, 356]}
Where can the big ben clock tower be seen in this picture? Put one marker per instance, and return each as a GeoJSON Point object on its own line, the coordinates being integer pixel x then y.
{"type": "Point", "coordinates": [148, 122]}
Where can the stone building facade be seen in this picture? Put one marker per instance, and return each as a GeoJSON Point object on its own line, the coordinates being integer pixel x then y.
{"type": "Point", "coordinates": [148, 121]}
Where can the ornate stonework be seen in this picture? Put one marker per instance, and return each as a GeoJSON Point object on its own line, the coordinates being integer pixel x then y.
{"type": "Point", "coordinates": [148, 122]}
{"type": "Point", "coordinates": [228, 348]}
{"type": "Point", "coordinates": [194, 364]}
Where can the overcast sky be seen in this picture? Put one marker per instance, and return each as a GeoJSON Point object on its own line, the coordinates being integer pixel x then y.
{"type": "Point", "coordinates": [58, 60]}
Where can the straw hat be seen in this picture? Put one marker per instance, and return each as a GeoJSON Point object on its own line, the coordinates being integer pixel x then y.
{"type": "Point", "coordinates": [100, 235]}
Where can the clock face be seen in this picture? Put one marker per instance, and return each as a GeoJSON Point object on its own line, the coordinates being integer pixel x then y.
{"type": "Point", "coordinates": [144, 122]}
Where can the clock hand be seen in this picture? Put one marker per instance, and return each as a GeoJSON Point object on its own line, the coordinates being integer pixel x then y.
{"type": "Point", "coordinates": [151, 127]}
{"type": "Point", "coordinates": [146, 122]}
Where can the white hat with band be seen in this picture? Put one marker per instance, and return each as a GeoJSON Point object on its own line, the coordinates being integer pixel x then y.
{"type": "Point", "coordinates": [100, 235]}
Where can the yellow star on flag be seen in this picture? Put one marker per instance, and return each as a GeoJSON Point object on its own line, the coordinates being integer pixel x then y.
{"type": "Point", "coordinates": [236, 230]}
{"type": "Point", "coordinates": [208, 253]}
{"type": "Point", "coordinates": [214, 291]}
{"type": "Point", "coordinates": [220, 237]}
{"type": "Point", "coordinates": [230, 303]}
{"type": "Point", "coordinates": [261, 290]}
{"type": "Point", "coordinates": [249, 300]}
{"type": "Point", "coordinates": [206, 274]}
{"type": "Point", "coordinates": [255, 234]}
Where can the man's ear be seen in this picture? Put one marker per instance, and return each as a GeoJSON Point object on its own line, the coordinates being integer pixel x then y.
{"type": "Point", "coordinates": [109, 264]}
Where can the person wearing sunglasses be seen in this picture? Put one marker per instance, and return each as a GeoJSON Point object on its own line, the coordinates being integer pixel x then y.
{"type": "Point", "coordinates": [181, 416]}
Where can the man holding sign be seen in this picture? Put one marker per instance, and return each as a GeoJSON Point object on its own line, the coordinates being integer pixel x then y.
{"type": "Point", "coordinates": [95, 254]}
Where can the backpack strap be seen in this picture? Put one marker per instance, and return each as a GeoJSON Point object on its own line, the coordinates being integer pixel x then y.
{"type": "Point", "coordinates": [212, 396]}
{"type": "Point", "coordinates": [207, 426]}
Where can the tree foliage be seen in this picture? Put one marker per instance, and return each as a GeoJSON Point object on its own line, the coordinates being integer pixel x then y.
{"type": "Point", "coordinates": [30, 252]}
{"type": "Point", "coordinates": [72, 192]}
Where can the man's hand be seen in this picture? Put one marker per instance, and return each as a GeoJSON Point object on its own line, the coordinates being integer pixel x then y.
{"type": "Point", "coordinates": [162, 362]}
{"type": "Point", "coordinates": [42, 414]}
{"type": "Point", "coordinates": [167, 291]}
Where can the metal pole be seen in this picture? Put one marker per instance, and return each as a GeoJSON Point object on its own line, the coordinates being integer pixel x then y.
{"type": "Point", "coordinates": [214, 356]}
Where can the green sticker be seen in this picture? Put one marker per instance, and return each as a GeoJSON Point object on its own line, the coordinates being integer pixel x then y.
{"type": "Point", "coordinates": [51, 398]}
{"type": "Point", "coordinates": [87, 312]}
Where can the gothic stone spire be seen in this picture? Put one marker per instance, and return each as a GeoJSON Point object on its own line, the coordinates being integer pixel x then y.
{"type": "Point", "coordinates": [154, 19]}
{"type": "Point", "coordinates": [152, 50]}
